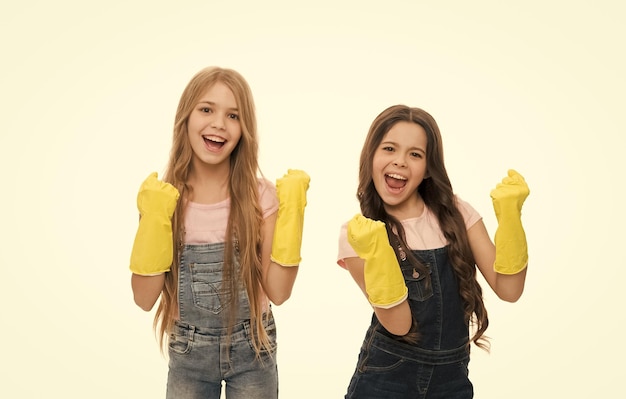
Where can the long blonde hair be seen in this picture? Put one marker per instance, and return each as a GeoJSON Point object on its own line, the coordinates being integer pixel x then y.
{"type": "Point", "coordinates": [245, 219]}
{"type": "Point", "coordinates": [439, 197]}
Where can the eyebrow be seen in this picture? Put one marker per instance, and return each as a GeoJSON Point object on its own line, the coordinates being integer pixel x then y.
{"type": "Point", "coordinates": [396, 144]}
{"type": "Point", "coordinates": [214, 104]}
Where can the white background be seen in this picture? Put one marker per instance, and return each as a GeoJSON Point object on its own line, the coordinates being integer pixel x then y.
{"type": "Point", "coordinates": [88, 92]}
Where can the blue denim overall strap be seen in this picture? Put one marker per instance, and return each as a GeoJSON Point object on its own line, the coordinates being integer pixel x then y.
{"type": "Point", "coordinates": [201, 301]}
{"type": "Point", "coordinates": [436, 305]}
{"type": "Point", "coordinates": [435, 367]}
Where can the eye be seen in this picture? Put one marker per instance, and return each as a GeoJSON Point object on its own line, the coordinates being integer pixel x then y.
{"type": "Point", "coordinates": [233, 116]}
{"type": "Point", "coordinates": [387, 148]}
{"type": "Point", "coordinates": [416, 155]}
{"type": "Point", "coordinates": [205, 109]}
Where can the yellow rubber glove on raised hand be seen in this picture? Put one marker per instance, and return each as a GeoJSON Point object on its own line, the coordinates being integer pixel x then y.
{"type": "Point", "coordinates": [510, 239]}
{"type": "Point", "coordinates": [153, 247]}
{"type": "Point", "coordinates": [384, 282]}
{"type": "Point", "coordinates": [291, 190]}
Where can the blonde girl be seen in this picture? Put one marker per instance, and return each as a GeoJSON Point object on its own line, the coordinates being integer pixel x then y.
{"type": "Point", "coordinates": [218, 244]}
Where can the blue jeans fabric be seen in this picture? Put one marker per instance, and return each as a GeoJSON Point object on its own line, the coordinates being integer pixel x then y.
{"type": "Point", "coordinates": [435, 367]}
{"type": "Point", "coordinates": [202, 353]}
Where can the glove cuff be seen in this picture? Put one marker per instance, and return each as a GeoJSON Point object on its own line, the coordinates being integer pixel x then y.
{"type": "Point", "coordinates": [386, 303]}
{"type": "Point", "coordinates": [511, 249]}
{"type": "Point", "coordinates": [287, 263]}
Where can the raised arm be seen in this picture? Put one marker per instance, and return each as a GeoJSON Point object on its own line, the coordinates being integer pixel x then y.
{"type": "Point", "coordinates": [153, 250]}
{"type": "Point", "coordinates": [277, 280]}
{"type": "Point", "coordinates": [504, 264]}
{"type": "Point", "coordinates": [282, 236]}
{"type": "Point", "coordinates": [377, 272]}
{"type": "Point", "coordinates": [147, 289]}
{"type": "Point", "coordinates": [397, 319]}
{"type": "Point", "coordinates": [507, 287]}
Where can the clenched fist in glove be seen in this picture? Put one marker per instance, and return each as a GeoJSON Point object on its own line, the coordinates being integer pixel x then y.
{"type": "Point", "coordinates": [153, 247]}
{"type": "Point", "coordinates": [510, 238]}
{"type": "Point", "coordinates": [291, 190]}
{"type": "Point", "coordinates": [384, 282]}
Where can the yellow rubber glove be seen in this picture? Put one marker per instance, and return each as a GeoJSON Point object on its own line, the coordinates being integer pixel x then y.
{"type": "Point", "coordinates": [153, 247]}
{"type": "Point", "coordinates": [291, 190]}
{"type": "Point", "coordinates": [510, 239]}
{"type": "Point", "coordinates": [384, 282]}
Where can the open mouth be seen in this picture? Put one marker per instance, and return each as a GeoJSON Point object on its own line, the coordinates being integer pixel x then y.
{"type": "Point", "coordinates": [395, 181]}
{"type": "Point", "coordinates": [214, 143]}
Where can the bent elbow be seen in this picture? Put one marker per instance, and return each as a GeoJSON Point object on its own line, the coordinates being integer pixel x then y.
{"type": "Point", "coordinates": [144, 304]}
{"type": "Point", "coordinates": [398, 327]}
{"type": "Point", "coordinates": [145, 308]}
{"type": "Point", "coordinates": [399, 331]}
{"type": "Point", "coordinates": [280, 299]}
{"type": "Point", "coordinates": [510, 297]}
{"type": "Point", "coordinates": [398, 319]}
{"type": "Point", "coordinates": [146, 290]}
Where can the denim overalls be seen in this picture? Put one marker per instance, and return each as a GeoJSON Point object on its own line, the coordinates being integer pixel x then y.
{"type": "Point", "coordinates": [200, 357]}
{"type": "Point", "coordinates": [437, 366]}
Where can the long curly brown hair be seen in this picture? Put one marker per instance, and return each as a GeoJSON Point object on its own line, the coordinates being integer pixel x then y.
{"type": "Point", "coordinates": [245, 219]}
{"type": "Point", "coordinates": [437, 193]}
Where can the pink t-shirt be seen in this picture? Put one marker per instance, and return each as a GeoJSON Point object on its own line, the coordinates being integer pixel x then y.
{"type": "Point", "coordinates": [207, 223]}
{"type": "Point", "coordinates": [422, 232]}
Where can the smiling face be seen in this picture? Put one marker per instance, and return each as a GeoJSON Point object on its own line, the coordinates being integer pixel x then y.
{"type": "Point", "coordinates": [399, 167]}
{"type": "Point", "coordinates": [213, 127]}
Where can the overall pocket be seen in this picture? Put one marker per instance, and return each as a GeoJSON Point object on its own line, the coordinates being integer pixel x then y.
{"type": "Point", "coordinates": [376, 360]}
{"type": "Point", "coordinates": [179, 343]}
{"type": "Point", "coordinates": [420, 287]}
{"type": "Point", "coordinates": [270, 329]}
{"type": "Point", "coordinates": [206, 287]}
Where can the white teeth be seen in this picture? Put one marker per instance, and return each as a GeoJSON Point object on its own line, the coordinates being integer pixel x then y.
{"type": "Point", "coordinates": [214, 138]}
{"type": "Point", "coordinates": [395, 176]}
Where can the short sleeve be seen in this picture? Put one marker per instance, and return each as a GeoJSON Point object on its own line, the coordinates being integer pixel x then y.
{"type": "Point", "coordinates": [268, 198]}
{"type": "Point", "coordinates": [345, 249]}
{"type": "Point", "coordinates": [470, 215]}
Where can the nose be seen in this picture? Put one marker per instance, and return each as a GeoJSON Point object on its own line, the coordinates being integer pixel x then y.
{"type": "Point", "coordinates": [218, 122]}
{"type": "Point", "coordinates": [399, 162]}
